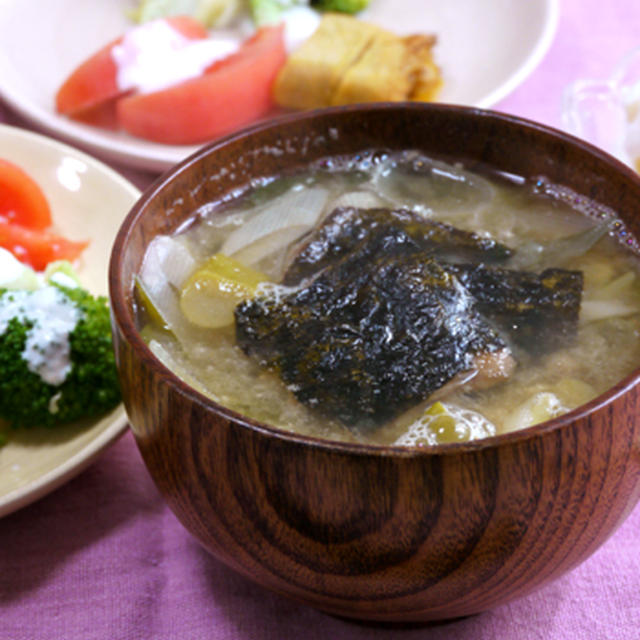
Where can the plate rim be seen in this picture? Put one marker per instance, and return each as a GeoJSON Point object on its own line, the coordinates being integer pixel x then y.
{"type": "Point", "coordinates": [53, 479]}
{"type": "Point", "coordinates": [535, 57]}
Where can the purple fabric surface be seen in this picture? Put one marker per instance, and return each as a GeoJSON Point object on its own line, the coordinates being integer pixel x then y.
{"type": "Point", "coordinates": [102, 557]}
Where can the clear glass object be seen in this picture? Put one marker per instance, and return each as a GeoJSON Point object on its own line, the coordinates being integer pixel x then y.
{"type": "Point", "coordinates": [607, 112]}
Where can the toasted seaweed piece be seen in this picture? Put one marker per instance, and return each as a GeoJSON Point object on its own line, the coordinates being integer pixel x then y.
{"type": "Point", "coordinates": [378, 315]}
{"type": "Point", "coordinates": [347, 226]}
{"type": "Point", "coordinates": [370, 336]}
{"type": "Point", "coordinates": [539, 312]}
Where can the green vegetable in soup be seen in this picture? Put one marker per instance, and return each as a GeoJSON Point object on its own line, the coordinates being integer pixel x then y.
{"type": "Point", "coordinates": [210, 295]}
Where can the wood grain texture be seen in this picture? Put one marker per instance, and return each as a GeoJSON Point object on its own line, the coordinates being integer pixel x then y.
{"type": "Point", "coordinates": [372, 532]}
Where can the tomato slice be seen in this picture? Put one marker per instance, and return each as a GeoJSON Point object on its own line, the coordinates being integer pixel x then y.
{"type": "Point", "coordinates": [231, 93]}
{"type": "Point", "coordinates": [35, 247]}
{"type": "Point", "coordinates": [102, 115]}
{"type": "Point", "coordinates": [21, 199]}
{"type": "Point", "coordinates": [95, 80]}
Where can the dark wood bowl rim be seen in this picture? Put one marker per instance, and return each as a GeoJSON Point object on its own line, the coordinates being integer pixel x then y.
{"type": "Point", "coordinates": [123, 316]}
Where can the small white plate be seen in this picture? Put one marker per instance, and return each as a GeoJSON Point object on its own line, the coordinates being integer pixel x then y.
{"type": "Point", "coordinates": [485, 50]}
{"type": "Point", "coordinates": [88, 201]}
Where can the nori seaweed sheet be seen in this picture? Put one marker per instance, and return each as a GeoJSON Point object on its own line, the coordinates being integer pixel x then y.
{"type": "Point", "coordinates": [347, 227]}
{"type": "Point", "coordinates": [538, 312]}
{"type": "Point", "coordinates": [381, 316]}
{"type": "Point", "coordinates": [363, 344]}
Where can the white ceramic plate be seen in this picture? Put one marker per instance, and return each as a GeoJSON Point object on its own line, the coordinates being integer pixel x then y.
{"type": "Point", "coordinates": [88, 201]}
{"type": "Point", "coordinates": [485, 50]}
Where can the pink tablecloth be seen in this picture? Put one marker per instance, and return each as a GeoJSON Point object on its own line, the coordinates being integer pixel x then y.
{"type": "Point", "coordinates": [102, 557]}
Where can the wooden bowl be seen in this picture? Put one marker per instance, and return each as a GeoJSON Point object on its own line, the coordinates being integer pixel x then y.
{"type": "Point", "coordinates": [380, 533]}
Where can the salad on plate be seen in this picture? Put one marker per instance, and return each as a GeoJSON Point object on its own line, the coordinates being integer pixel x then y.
{"type": "Point", "coordinates": [188, 71]}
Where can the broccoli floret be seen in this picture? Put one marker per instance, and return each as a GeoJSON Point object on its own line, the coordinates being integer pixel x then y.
{"type": "Point", "coordinates": [345, 6]}
{"type": "Point", "coordinates": [89, 389]}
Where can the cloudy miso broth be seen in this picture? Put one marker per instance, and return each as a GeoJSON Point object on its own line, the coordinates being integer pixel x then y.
{"type": "Point", "coordinates": [393, 298]}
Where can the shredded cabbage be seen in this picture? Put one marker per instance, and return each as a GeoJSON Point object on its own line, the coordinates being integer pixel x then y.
{"type": "Point", "coordinates": [212, 13]}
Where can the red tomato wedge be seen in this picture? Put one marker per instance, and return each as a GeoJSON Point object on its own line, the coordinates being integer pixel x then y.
{"type": "Point", "coordinates": [22, 201]}
{"type": "Point", "coordinates": [103, 115]}
{"type": "Point", "coordinates": [35, 247]}
{"type": "Point", "coordinates": [94, 81]}
{"type": "Point", "coordinates": [231, 93]}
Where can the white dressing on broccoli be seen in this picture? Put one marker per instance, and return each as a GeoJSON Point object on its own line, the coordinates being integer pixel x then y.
{"type": "Point", "coordinates": [155, 56]}
{"type": "Point", "coordinates": [54, 316]}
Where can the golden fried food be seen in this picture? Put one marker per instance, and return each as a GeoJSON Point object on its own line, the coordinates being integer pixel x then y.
{"type": "Point", "coordinates": [427, 78]}
{"type": "Point", "coordinates": [377, 74]}
{"type": "Point", "coordinates": [348, 61]}
{"type": "Point", "coordinates": [312, 72]}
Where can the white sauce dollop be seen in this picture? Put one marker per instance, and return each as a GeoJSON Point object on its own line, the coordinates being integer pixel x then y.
{"type": "Point", "coordinates": [299, 24]}
{"type": "Point", "coordinates": [47, 350]}
{"type": "Point", "coordinates": [155, 56]}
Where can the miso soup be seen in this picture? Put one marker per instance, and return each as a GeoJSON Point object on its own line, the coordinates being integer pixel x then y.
{"type": "Point", "coordinates": [394, 298]}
